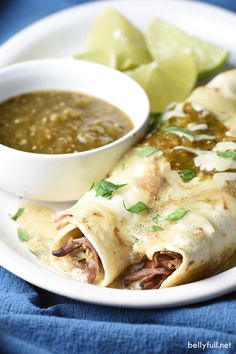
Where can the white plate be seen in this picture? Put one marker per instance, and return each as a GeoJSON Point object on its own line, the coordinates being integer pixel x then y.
{"type": "Point", "coordinates": [63, 35]}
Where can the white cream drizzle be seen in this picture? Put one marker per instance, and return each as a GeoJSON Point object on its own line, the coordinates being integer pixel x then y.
{"type": "Point", "coordinates": [194, 151]}
{"type": "Point", "coordinates": [225, 145]}
{"type": "Point", "coordinates": [229, 133]}
{"type": "Point", "coordinates": [195, 137]}
{"type": "Point", "coordinates": [209, 160]}
{"type": "Point", "coordinates": [193, 127]}
{"type": "Point", "coordinates": [181, 134]}
{"type": "Point", "coordinates": [197, 107]}
{"type": "Point", "coordinates": [176, 111]}
{"type": "Point", "coordinates": [225, 176]}
{"type": "Point", "coordinates": [203, 137]}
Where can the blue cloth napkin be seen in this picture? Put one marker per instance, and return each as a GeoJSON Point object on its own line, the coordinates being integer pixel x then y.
{"type": "Point", "coordinates": [34, 321]}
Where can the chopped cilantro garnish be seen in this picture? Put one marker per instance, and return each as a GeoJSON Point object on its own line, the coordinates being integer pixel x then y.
{"type": "Point", "coordinates": [147, 151]}
{"type": "Point", "coordinates": [187, 175]}
{"type": "Point", "coordinates": [157, 228]}
{"type": "Point", "coordinates": [105, 188]}
{"type": "Point", "coordinates": [23, 235]}
{"type": "Point", "coordinates": [174, 128]}
{"type": "Point", "coordinates": [177, 214]}
{"type": "Point", "coordinates": [229, 154]}
{"type": "Point", "coordinates": [156, 122]}
{"type": "Point", "coordinates": [36, 254]}
{"type": "Point", "coordinates": [156, 217]}
{"type": "Point", "coordinates": [137, 208]}
{"type": "Point", "coordinates": [18, 214]}
{"type": "Point", "coordinates": [135, 239]}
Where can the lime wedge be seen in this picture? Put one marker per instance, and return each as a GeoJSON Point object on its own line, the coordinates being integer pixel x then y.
{"type": "Point", "coordinates": [209, 57]}
{"type": "Point", "coordinates": [105, 57]}
{"type": "Point", "coordinates": [170, 80]}
{"type": "Point", "coordinates": [114, 34]}
{"type": "Point", "coordinates": [164, 40]}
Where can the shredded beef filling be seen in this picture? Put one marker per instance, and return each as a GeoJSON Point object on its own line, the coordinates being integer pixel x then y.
{"type": "Point", "coordinates": [153, 272]}
{"type": "Point", "coordinates": [81, 245]}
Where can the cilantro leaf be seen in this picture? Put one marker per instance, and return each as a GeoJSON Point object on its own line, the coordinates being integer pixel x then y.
{"type": "Point", "coordinates": [177, 214]}
{"type": "Point", "coordinates": [18, 214]}
{"type": "Point", "coordinates": [174, 128]}
{"type": "Point", "coordinates": [156, 122]}
{"type": "Point", "coordinates": [137, 208]}
{"type": "Point", "coordinates": [147, 151]}
{"type": "Point", "coordinates": [228, 154]}
{"type": "Point", "coordinates": [157, 228]}
{"type": "Point", "coordinates": [105, 188]}
{"type": "Point", "coordinates": [135, 239]}
{"type": "Point", "coordinates": [23, 235]}
{"type": "Point", "coordinates": [35, 253]}
{"type": "Point", "coordinates": [187, 175]}
{"type": "Point", "coordinates": [156, 217]}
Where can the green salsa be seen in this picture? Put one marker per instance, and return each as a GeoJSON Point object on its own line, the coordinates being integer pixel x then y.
{"type": "Point", "coordinates": [165, 139]}
{"type": "Point", "coordinates": [60, 122]}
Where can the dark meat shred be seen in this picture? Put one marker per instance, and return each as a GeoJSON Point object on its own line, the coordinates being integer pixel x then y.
{"type": "Point", "coordinates": [81, 244]}
{"type": "Point", "coordinates": [155, 271]}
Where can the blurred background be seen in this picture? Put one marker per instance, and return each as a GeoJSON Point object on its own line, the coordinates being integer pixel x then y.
{"type": "Point", "coordinates": [16, 14]}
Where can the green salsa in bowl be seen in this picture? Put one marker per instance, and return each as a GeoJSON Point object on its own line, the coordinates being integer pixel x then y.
{"type": "Point", "coordinates": [64, 124]}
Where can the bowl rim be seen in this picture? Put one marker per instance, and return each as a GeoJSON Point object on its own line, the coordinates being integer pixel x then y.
{"type": "Point", "coordinates": [61, 61]}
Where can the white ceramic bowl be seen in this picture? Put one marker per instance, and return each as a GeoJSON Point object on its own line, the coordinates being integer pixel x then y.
{"type": "Point", "coordinates": [65, 177]}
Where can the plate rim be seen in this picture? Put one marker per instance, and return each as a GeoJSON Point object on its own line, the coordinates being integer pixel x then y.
{"type": "Point", "coordinates": [25, 269]}
{"type": "Point", "coordinates": [34, 272]}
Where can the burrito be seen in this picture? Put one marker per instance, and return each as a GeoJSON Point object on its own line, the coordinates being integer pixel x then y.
{"type": "Point", "coordinates": [166, 214]}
